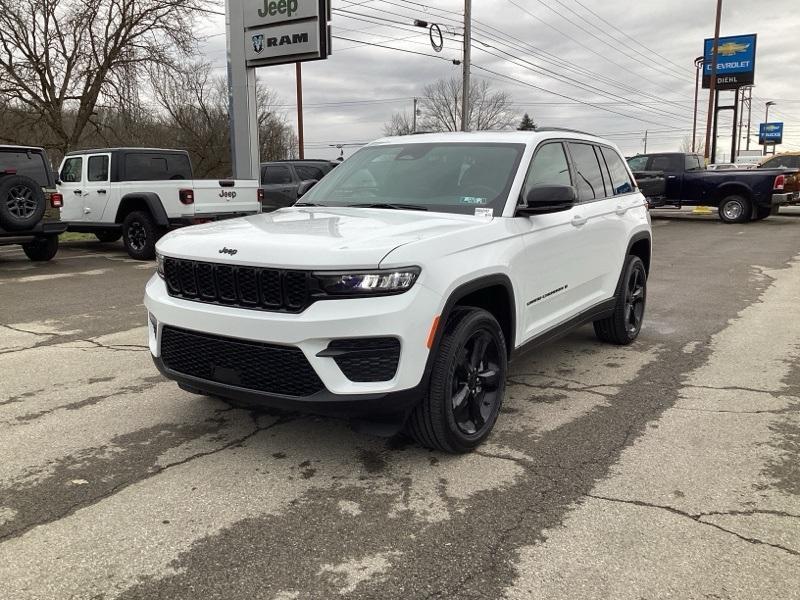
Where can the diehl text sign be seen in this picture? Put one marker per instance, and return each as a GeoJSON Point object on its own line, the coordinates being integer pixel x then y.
{"type": "Point", "coordinates": [736, 61]}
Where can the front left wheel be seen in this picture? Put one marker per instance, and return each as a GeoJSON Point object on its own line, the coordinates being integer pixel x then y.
{"type": "Point", "coordinates": [466, 387]}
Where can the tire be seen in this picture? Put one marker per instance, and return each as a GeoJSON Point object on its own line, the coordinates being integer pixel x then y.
{"type": "Point", "coordinates": [41, 249]}
{"type": "Point", "coordinates": [735, 209]}
{"type": "Point", "coordinates": [22, 202]}
{"type": "Point", "coordinates": [761, 212]}
{"type": "Point", "coordinates": [624, 325]}
{"type": "Point", "coordinates": [108, 237]}
{"type": "Point", "coordinates": [140, 234]}
{"type": "Point", "coordinates": [461, 369]}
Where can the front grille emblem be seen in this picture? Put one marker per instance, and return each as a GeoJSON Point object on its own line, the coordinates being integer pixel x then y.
{"type": "Point", "coordinates": [230, 251]}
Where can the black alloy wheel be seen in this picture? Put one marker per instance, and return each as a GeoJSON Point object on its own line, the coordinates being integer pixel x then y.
{"type": "Point", "coordinates": [140, 234]}
{"type": "Point", "coordinates": [467, 384]}
{"type": "Point", "coordinates": [475, 390]}
{"type": "Point", "coordinates": [623, 325]}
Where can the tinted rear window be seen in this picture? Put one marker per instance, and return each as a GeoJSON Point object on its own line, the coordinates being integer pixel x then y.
{"type": "Point", "coordinates": [620, 180]}
{"type": "Point", "coordinates": [146, 166]}
{"type": "Point", "coordinates": [29, 164]}
{"type": "Point", "coordinates": [590, 178]}
{"type": "Point", "coordinates": [792, 162]}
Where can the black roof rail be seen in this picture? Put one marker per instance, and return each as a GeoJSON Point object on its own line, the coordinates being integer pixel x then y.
{"type": "Point", "coordinates": [566, 130]}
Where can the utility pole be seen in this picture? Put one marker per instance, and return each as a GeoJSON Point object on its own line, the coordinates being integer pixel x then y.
{"type": "Point", "coordinates": [712, 84]}
{"type": "Point", "coordinates": [465, 108]}
{"type": "Point", "coordinates": [645, 141]}
{"type": "Point", "coordinates": [749, 111]}
{"type": "Point", "coordinates": [699, 63]}
{"type": "Point", "coordinates": [766, 120]}
{"type": "Point", "coordinates": [299, 78]}
{"type": "Point", "coordinates": [414, 117]}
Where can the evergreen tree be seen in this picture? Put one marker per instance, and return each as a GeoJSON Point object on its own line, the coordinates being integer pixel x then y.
{"type": "Point", "coordinates": [526, 124]}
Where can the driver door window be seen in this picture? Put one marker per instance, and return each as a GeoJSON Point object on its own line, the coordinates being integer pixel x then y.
{"type": "Point", "coordinates": [549, 167]}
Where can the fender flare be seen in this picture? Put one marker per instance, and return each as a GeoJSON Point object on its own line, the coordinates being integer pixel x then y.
{"type": "Point", "coordinates": [153, 203]}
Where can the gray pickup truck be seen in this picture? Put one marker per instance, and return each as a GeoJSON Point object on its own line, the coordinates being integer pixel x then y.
{"type": "Point", "coordinates": [741, 195]}
{"type": "Point", "coordinates": [282, 180]}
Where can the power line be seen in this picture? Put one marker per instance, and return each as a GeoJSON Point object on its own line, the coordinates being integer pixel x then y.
{"type": "Point", "coordinates": [338, 37]}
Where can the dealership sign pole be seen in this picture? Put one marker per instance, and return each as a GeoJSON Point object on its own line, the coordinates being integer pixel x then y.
{"type": "Point", "coordinates": [263, 33]}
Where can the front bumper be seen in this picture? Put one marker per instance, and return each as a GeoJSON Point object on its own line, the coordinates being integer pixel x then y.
{"type": "Point", "coordinates": [407, 317]}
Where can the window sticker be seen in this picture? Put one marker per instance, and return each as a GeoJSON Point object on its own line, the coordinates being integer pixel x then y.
{"type": "Point", "coordinates": [484, 212]}
{"type": "Point", "coordinates": [472, 200]}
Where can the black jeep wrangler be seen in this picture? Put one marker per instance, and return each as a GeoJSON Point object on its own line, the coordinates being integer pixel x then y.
{"type": "Point", "coordinates": [29, 202]}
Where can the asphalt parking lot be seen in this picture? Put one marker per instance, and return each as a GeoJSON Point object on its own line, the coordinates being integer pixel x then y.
{"type": "Point", "coordinates": [667, 469]}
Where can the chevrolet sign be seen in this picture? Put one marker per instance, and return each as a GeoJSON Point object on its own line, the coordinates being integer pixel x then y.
{"type": "Point", "coordinates": [770, 133]}
{"type": "Point", "coordinates": [736, 61]}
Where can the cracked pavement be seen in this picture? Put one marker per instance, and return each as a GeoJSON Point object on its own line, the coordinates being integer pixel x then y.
{"type": "Point", "coordinates": [667, 469]}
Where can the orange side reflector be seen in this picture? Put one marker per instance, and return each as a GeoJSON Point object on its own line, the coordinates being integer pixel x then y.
{"type": "Point", "coordinates": [432, 334]}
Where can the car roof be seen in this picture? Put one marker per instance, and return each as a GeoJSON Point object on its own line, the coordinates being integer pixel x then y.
{"type": "Point", "coordinates": [495, 137]}
{"type": "Point", "coordinates": [26, 148]}
{"type": "Point", "coordinates": [128, 149]}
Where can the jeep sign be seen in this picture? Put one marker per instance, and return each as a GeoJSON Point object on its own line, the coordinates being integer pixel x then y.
{"type": "Point", "coordinates": [284, 31]}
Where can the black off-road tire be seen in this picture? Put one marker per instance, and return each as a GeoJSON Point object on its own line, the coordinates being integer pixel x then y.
{"type": "Point", "coordinates": [140, 234]}
{"type": "Point", "coordinates": [619, 328]}
{"type": "Point", "coordinates": [735, 209]}
{"type": "Point", "coordinates": [22, 202]}
{"type": "Point", "coordinates": [41, 249]}
{"type": "Point", "coordinates": [107, 237]}
{"type": "Point", "coordinates": [433, 422]}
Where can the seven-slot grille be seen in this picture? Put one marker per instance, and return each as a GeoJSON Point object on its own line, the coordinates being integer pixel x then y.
{"type": "Point", "coordinates": [269, 368]}
{"type": "Point", "coordinates": [241, 286]}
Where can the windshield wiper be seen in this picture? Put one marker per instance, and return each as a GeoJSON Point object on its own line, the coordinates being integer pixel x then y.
{"type": "Point", "coordinates": [393, 205]}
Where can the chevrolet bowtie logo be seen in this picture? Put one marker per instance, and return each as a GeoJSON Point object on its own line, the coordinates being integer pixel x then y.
{"type": "Point", "coordinates": [731, 48]}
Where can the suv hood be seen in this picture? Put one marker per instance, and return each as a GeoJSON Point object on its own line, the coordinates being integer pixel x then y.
{"type": "Point", "coordinates": [313, 237]}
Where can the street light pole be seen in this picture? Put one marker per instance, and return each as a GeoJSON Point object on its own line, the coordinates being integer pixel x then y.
{"type": "Point", "coordinates": [712, 84]}
{"type": "Point", "coordinates": [465, 108]}
{"type": "Point", "coordinates": [698, 65]}
{"type": "Point", "coordinates": [766, 120]}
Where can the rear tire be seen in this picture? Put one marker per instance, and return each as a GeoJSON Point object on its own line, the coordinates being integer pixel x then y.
{"type": "Point", "coordinates": [107, 237]}
{"type": "Point", "coordinates": [140, 234]}
{"type": "Point", "coordinates": [466, 387]}
{"type": "Point", "coordinates": [624, 325]}
{"type": "Point", "coordinates": [735, 209]}
{"type": "Point", "coordinates": [41, 249]}
{"type": "Point", "coordinates": [22, 202]}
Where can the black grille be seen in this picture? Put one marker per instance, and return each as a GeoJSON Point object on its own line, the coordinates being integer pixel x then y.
{"type": "Point", "coordinates": [246, 287]}
{"type": "Point", "coordinates": [365, 359]}
{"type": "Point", "coordinates": [254, 366]}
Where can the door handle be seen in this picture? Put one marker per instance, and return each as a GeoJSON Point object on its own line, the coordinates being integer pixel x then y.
{"type": "Point", "coordinates": [101, 191]}
{"type": "Point", "coordinates": [76, 192]}
{"type": "Point", "coordinates": [672, 176]}
{"type": "Point", "coordinates": [621, 209]}
{"type": "Point", "coordinates": [578, 220]}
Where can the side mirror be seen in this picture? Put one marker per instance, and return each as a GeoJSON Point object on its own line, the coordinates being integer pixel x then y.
{"type": "Point", "coordinates": [545, 199]}
{"type": "Point", "coordinates": [305, 185]}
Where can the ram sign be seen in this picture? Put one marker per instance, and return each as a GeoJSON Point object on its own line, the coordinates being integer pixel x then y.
{"type": "Point", "coordinates": [736, 61]}
{"type": "Point", "coordinates": [770, 133]}
{"type": "Point", "coordinates": [285, 31]}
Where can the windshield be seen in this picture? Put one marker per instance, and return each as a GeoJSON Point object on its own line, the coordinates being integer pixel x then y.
{"type": "Point", "coordinates": [443, 177]}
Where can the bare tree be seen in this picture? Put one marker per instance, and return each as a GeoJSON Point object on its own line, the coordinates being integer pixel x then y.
{"type": "Point", "coordinates": [62, 59]}
{"type": "Point", "coordinates": [686, 145]}
{"type": "Point", "coordinates": [441, 106]}
{"type": "Point", "coordinates": [401, 123]}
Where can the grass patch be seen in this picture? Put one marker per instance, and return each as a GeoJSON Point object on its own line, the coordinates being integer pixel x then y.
{"type": "Point", "coordinates": [72, 236]}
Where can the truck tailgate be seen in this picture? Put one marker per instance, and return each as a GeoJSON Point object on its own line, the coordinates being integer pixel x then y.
{"type": "Point", "coordinates": [225, 196]}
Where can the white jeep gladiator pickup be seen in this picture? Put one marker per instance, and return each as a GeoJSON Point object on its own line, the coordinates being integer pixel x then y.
{"type": "Point", "coordinates": [400, 286]}
{"type": "Point", "coordinates": [140, 193]}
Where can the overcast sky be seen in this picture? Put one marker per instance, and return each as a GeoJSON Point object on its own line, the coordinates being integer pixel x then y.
{"type": "Point", "coordinates": [351, 95]}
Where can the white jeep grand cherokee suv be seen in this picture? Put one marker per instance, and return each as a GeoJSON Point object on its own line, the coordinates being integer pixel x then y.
{"type": "Point", "coordinates": [400, 286]}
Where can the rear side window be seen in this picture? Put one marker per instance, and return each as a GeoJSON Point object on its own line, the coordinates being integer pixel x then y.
{"type": "Point", "coordinates": [71, 171]}
{"type": "Point", "coordinates": [670, 163]}
{"type": "Point", "coordinates": [693, 163]}
{"type": "Point", "coordinates": [620, 180]}
{"type": "Point", "coordinates": [308, 172]}
{"type": "Point", "coordinates": [277, 174]}
{"type": "Point", "coordinates": [549, 167]}
{"type": "Point", "coordinates": [156, 167]}
{"type": "Point", "coordinates": [29, 164]}
{"type": "Point", "coordinates": [97, 168]}
{"type": "Point", "coordinates": [590, 178]}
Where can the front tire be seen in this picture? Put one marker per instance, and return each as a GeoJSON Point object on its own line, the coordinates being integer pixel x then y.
{"type": "Point", "coordinates": [41, 249]}
{"type": "Point", "coordinates": [140, 234]}
{"type": "Point", "coordinates": [467, 384]}
{"type": "Point", "coordinates": [735, 209]}
{"type": "Point", "coordinates": [625, 323]}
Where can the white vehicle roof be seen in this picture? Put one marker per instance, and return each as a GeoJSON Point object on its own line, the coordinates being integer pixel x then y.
{"type": "Point", "coordinates": [508, 137]}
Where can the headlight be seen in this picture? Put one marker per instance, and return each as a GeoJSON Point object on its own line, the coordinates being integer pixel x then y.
{"type": "Point", "coordinates": [160, 265]}
{"type": "Point", "coordinates": [358, 283]}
